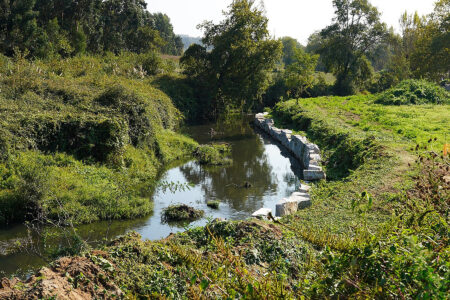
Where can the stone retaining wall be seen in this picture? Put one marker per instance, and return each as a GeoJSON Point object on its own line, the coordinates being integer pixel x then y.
{"type": "Point", "coordinates": [307, 153]}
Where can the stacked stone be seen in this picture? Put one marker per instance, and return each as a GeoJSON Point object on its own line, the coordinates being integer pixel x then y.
{"type": "Point", "coordinates": [297, 201]}
{"type": "Point", "coordinates": [307, 153]}
{"type": "Point", "coordinates": [288, 206]}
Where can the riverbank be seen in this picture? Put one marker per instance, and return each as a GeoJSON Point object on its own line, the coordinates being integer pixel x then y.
{"type": "Point", "coordinates": [370, 224]}
{"type": "Point", "coordinates": [82, 139]}
{"type": "Point", "coordinates": [261, 173]}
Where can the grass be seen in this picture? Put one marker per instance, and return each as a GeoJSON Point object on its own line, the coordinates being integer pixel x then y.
{"type": "Point", "coordinates": [378, 229]}
{"type": "Point", "coordinates": [85, 135]}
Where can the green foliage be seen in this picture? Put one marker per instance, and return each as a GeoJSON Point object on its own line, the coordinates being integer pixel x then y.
{"type": "Point", "coordinates": [48, 28]}
{"type": "Point", "coordinates": [173, 43]}
{"type": "Point", "coordinates": [414, 92]}
{"type": "Point", "coordinates": [345, 152]}
{"type": "Point", "coordinates": [181, 212]}
{"type": "Point", "coordinates": [235, 73]}
{"type": "Point", "coordinates": [151, 63]}
{"type": "Point", "coordinates": [183, 94]}
{"type": "Point", "coordinates": [216, 154]}
{"type": "Point", "coordinates": [58, 184]}
{"type": "Point", "coordinates": [300, 73]}
{"type": "Point", "coordinates": [430, 55]}
{"type": "Point", "coordinates": [290, 50]}
{"type": "Point", "coordinates": [79, 41]}
{"type": "Point", "coordinates": [96, 145]}
{"type": "Point", "coordinates": [344, 44]}
{"type": "Point", "coordinates": [172, 146]}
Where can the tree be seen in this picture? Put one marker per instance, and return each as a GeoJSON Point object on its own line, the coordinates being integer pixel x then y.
{"type": "Point", "coordinates": [355, 32]}
{"type": "Point", "coordinates": [241, 58]}
{"type": "Point", "coordinates": [430, 57]}
{"type": "Point", "coordinates": [290, 46]}
{"type": "Point", "coordinates": [300, 73]}
{"type": "Point", "coordinates": [173, 43]}
{"type": "Point", "coordinates": [20, 29]}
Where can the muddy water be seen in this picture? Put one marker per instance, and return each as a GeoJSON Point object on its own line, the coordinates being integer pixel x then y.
{"type": "Point", "coordinates": [266, 165]}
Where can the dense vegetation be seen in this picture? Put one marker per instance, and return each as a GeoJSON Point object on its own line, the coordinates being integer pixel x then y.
{"type": "Point", "coordinates": [379, 229]}
{"type": "Point", "coordinates": [90, 142]}
{"type": "Point", "coordinates": [414, 92]}
{"type": "Point", "coordinates": [242, 52]}
{"type": "Point", "coordinates": [64, 28]}
{"type": "Point", "coordinates": [83, 139]}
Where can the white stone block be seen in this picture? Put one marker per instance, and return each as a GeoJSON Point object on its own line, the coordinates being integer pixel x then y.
{"type": "Point", "coordinates": [262, 213]}
{"type": "Point", "coordinates": [299, 194]}
{"type": "Point", "coordinates": [304, 188]}
{"type": "Point", "coordinates": [315, 157]}
{"type": "Point", "coordinates": [303, 200]}
{"type": "Point", "coordinates": [286, 207]}
{"type": "Point", "coordinates": [312, 175]}
{"type": "Point", "coordinates": [313, 163]}
{"type": "Point", "coordinates": [313, 167]}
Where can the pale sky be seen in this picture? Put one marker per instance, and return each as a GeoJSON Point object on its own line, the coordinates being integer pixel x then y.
{"type": "Point", "coordinates": [295, 18]}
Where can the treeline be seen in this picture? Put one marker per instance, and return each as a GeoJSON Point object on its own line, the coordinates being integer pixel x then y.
{"type": "Point", "coordinates": [363, 54]}
{"type": "Point", "coordinates": [246, 67]}
{"type": "Point", "coordinates": [46, 28]}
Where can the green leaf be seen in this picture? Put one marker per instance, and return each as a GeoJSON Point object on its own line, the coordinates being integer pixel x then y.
{"type": "Point", "coordinates": [204, 284]}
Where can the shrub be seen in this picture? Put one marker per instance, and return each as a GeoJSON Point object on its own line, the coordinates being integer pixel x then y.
{"type": "Point", "coordinates": [151, 63]}
{"type": "Point", "coordinates": [414, 92]}
{"type": "Point", "coordinates": [181, 212]}
{"type": "Point", "coordinates": [216, 155]}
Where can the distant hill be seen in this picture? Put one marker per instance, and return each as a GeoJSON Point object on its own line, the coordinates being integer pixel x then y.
{"type": "Point", "coordinates": [189, 40]}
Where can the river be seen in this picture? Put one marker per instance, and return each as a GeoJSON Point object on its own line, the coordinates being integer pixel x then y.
{"type": "Point", "coordinates": [272, 172]}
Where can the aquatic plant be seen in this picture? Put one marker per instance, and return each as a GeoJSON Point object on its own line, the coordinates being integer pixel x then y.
{"type": "Point", "coordinates": [181, 212]}
{"type": "Point", "coordinates": [214, 154]}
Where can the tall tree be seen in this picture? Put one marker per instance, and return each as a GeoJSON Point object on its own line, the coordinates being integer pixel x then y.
{"type": "Point", "coordinates": [355, 31]}
{"type": "Point", "coordinates": [300, 73]}
{"type": "Point", "coordinates": [241, 58]}
{"type": "Point", "coordinates": [173, 43]}
{"type": "Point", "coordinates": [290, 46]}
{"type": "Point", "coordinates": [430, 57]}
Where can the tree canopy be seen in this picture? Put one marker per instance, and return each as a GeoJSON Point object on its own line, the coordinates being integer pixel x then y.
{"type": "Point", "coordinates": [68, 27]}
{"type": "Point", "coordinates": [355, 31]}
{"type": "Point", "coordinates": [237, 68]}
{"type": "Point", "coordinates": [290, 46]}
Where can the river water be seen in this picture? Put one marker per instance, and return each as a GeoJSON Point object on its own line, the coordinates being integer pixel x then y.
{"type": "Point", "coordinates": [272, 172]}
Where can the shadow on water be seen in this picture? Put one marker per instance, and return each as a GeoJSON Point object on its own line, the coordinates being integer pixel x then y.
{"type": "Point", "coordinates": [272, 172]}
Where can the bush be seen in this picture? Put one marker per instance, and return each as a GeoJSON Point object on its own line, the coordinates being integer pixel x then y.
{"type": "Point", "coordinates": [181, 212]}
{"type": "Point", "coordinates": [414, 92]}
{"type": "Point", "coordinates": [216, 155]}
{"type": "Point", "coordinates": [151, 63]}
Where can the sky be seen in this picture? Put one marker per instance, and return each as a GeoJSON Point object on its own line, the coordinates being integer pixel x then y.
{"type": "Point", "coordinates": [295, 18]}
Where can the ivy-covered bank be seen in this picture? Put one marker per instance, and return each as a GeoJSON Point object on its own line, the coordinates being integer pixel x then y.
{"type": "Point", "coordinates": [83, 138]}
{"type": "Point", "coordinates": [377, 229]}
